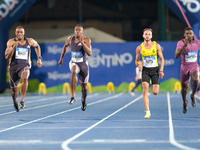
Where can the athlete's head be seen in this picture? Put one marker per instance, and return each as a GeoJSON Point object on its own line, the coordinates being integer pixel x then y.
{"type": "Point", "coordinates": [78, 30]}
{"type": "Point", "coordinates": [19, 32]}
{"type": "Point", "coordinates": [147, 34]}
{"type": "Point", "coordinates": [188, 32]}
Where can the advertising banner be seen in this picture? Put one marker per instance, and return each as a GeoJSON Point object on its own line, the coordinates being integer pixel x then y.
{"type": "Point", "coordinates": [110, 62]}
{"type": "Point", "coordinates": [191, 9]}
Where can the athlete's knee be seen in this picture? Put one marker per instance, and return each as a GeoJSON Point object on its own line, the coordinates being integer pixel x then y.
{"type": "Point", "coordinates": [24, 76]}
{"type": "Point", "coordinates": [155, 92]}
{"type": "Point", "coordinates": [184, 89]}
{"type": "Point", "coordinates": [145, 90]}
{"type": "Point", "coordinates": [73, 72]}
{"type": "Point", "coordinates": [155, 89]}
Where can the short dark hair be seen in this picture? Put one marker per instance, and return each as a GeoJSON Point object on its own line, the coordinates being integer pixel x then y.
{"type": "Point", "coordinates": [148, 29]}
{"type": "Point", "coordinates": [19, 27]}
{"type": "Point", "coordinates": [188, 28]}
{"type": "Point", "coordinates": [79, 25]}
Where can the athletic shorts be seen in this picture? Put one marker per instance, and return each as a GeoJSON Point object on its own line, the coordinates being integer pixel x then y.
{"type": "Point", "coordinates": [82, 70]}
{"type": "Point", "coordinates": [150, 74]}
{"type": "Point", "coordinates": [15, 75]}
{"type": "Point", "coordinates": [186, 71]}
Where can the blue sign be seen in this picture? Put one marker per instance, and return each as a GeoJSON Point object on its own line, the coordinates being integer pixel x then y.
{"type": "Point", "coordinates": [191, 9]}
{"type": "Point", "coordinates": [113, 62]}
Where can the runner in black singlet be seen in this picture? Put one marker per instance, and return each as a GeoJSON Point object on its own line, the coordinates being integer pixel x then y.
{"type": "Point", "coordinates": [18, 53]}
{"type": "Point", "coordinates": [80, 47]}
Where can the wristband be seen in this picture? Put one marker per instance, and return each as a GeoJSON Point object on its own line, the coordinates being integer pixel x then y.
{"type": "Point", "coordinates": [39, 57]}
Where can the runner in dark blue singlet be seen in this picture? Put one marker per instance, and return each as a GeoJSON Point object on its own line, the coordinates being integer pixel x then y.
{"type": "Point", "coordinates": [80, 48]}
{"type": "Point", "coordinates": [18, 53]}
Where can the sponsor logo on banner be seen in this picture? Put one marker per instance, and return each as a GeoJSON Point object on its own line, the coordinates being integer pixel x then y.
{"type": "Point", "coordinates": [193, 6]}
{"type": "Point", "coordinates": [109, 60]}
{"type": "Point", "coordinates": [47, 63]}
{"type": "Point", "coordinates": [6, 6]}
{"type": "Point", "coordinates": [58, 76]}
{"type": "Point", "coordinates": [55, 49]}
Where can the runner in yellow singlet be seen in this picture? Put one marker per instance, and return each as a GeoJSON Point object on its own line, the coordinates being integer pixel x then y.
{"type": "Point", "coordinates": [150, 52]}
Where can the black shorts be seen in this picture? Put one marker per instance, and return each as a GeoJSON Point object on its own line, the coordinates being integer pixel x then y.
{"type": "Point", "coordinates": [82, 70]}
{"type": "Point", "coordinates": [15, 75]}
{"type": "Point", "coordinates": [150, 74]}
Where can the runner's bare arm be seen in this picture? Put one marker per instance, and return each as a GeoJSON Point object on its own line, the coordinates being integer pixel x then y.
{"type": "Point", "coordinates": [179, 51]}
{"type": "Point", "coordinates": [138, 50]}
{"type": "Point", "coordinates": [64, 50]}
{"type": "Point", "coordinates": [37, 50]}
{"type": "Point", "coordinates": [86, 42]}
{"type": "Point", "coordinates": [162, 61]}
{"type": "Point", "coordinates": [11, 46]}
{"type": "Point", "coordinates": [36, 46]}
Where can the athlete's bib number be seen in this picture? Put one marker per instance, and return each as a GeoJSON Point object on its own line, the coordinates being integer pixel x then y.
{"type": "Point", "coordinates": [191, 56]}
{"type": "Point", "coordinates": [77, 56]}
{"type": "Point", "coordinates": [149, 62]}
{"type": "Point", "coordinates": [21, 53]}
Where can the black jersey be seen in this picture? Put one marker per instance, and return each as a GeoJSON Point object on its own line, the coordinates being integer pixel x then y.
{"type": "Point", "coordinates": [78, 54]}
{"type": "Point", "coordinates": [21, 56]}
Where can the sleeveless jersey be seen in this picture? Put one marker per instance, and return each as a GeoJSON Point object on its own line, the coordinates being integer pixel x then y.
{"type": "Point", "coordinates": [78, 54]}
{"type": "Point", "coordinates": [149, 56]}
{"type": "Point", "coordinates": [21, 56]}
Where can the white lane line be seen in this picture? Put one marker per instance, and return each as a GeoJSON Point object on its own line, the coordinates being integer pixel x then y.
{"type": "Point", "coordinates": [20, 125]}
{"type": "Point", "coordinates": [95, 141]}
{"type": "Point", "coordinates": [44, 105]}
{"type": "Point", "coordinates": [5, 99]}
{"type": "Point", "coordinates": [66, 143]}
{"type": "Point", "coordinates": [119, 141]}
{"type": "Point", "coordinates": [43, 99]}
{"type": "Point", "coordinates": [171, 129]}
{"type": "Point", "coordinates": [27, 142]}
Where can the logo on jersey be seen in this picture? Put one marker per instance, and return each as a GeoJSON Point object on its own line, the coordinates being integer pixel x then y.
{"type": "Point", "coordinates": [79, 44]}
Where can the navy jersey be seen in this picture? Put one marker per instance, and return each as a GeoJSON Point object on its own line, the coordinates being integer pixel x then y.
{"type": "Point", "coordinates": [21, 56]}
{"type": "Point", "coordinates": [78, 54]}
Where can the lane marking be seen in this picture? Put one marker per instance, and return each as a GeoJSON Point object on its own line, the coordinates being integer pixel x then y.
{"type": "Point", "coordinates": [33, 101]}
{"type": "Point", "coordinates": [43, 105]}
{"type": "Point", "coordinates": [171, 129]}
{"type": "Point", "coordinates": [43, 99]}
{"type": "Point", "coordinates": [95, 141]}
{"type": "Point", "coordinates": [66, 143]}
{"type": "Point", "coordinates": [53, 115]}
{"type": "Point", "coordinates": [119, 141]}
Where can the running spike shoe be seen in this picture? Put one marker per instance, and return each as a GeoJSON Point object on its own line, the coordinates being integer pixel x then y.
{"type": "Point", "coordinates": [148, 114]}
{"type": "Point", "coordinates": [71, 101]}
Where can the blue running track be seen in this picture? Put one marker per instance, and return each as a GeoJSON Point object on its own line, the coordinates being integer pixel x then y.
{"type": "Point", "coordinates": [110, 122]}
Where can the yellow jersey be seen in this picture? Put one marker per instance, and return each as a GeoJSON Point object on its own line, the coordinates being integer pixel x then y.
{"type": "Point", "coordinates": [149, 56]}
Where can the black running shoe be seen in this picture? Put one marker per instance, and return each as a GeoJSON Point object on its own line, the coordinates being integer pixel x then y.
{"type": "Point", "coordinates": [71, 101]}
{"type": "Point", "coordinates": [84, 107]}
{"type": "Point", "coordinates": [185, 107]}
{"type": "Point", "coordinates": [22, 105]}
{"type": "Point", "coordinates": [193, 101]}
{"type": "Point", "coordinates": [16, 106]}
